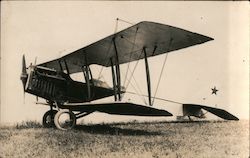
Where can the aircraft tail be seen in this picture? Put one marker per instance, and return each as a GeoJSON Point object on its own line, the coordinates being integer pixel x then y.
{"type": "Point", "coordinates": [216, 111]}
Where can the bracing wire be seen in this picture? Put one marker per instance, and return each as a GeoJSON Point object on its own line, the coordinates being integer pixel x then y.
{"type": "Point", "coordinates": [132, 49]}
{"type": "Point", "coordinates": [133, 44]}
{"type": "Point", "coordinates": [164, 63]}
{"type": "Point", "coordinates": [136, 83]}
{"type": "Point", "coordinates": [157, 98]}
{"type": "Point", "coordinates": [129, 80]}
{"type": "Point", "coordinates": [125, 21]}
{"type": "Point", "coordinates": [138, 93]}
{"type": "Point", "coordinates": [108, 51]}
{"type": "Point", "coordinates": [158, 83]}
{"type": "Point", "coordinates": [136, 88]}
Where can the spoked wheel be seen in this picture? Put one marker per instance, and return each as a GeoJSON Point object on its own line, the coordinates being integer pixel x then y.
{"type": "Point", "coordinates": [65, 119]}
{"type": "Point", "coordinates": [48, 119]}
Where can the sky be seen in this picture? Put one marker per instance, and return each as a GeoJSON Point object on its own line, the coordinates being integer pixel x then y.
{"type": "Point", "coordinates": [48, 30]}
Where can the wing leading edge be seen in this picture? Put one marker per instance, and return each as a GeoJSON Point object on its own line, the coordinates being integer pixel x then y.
{"type": "Point", "coordinates": [156, 38]}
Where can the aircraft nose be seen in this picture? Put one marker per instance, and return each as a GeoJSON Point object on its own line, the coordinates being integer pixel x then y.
{"type": "Point", "coordinates": [24, 74]}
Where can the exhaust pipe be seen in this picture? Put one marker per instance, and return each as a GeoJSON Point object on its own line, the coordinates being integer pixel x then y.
{"type": "Point", "coordinates": [24, 74]}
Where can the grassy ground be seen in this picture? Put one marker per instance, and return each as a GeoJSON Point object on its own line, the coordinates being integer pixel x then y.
{"type": "Point", "coordinates": [158, 139]}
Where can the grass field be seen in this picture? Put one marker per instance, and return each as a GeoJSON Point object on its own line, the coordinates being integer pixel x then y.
{"type": "Point", "coordinates": [209, 139]}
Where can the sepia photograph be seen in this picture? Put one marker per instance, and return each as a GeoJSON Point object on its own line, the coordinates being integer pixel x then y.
{"type": "Point", "coordinates": [107, 79]}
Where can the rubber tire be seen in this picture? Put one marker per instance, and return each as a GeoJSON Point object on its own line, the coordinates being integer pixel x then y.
{"type": "Point", "coordinates": [51, 124]}
{"type": "Point", "coordinates": [72, 116]}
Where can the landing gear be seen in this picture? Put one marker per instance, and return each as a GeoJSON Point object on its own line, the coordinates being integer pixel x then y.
{"type": "Point", "coordinates": [65, 119]}
{"type": "Point", "coordinates": [189, 117]}
{"type": "Point", "coordinates": [48, 119]}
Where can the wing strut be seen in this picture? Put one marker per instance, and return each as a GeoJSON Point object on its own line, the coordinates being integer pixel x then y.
{"type": "Point", "coordinates": [113, 78]}
{"type": "Point", "coordinates": [66, 65]}
{"type": "Point", "coordinates": [148, 76]}
{"type": "Point", "coordinates": [117, 68]}
{"type": "Point", "coordinates": [88, 76]}
{"type": "Point", "coordinates": [61, 68]}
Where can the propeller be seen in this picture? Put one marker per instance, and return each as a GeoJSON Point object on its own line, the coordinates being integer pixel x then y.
{"type": "Point", "coordinates": [24, 74]}
{"type": "Point", "coordinates": [35, 61]}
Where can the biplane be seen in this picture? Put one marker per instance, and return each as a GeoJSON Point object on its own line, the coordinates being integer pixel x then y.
{"type": "Point", "coordinates": [70, 100]}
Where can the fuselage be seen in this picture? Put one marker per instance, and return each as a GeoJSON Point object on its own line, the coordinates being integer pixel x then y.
{"type": "Point", "coordinates": [58, 86]}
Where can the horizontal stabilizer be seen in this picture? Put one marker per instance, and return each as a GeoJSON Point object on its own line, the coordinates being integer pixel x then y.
{"type": "Point", "coordinates": [216, 111]}
{"type": "Point", "coordinates": [120, 108]}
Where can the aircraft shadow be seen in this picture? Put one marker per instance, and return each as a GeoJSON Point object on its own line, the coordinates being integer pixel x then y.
{"type": "Point", "coordinates": [200, 121]}
{"type": "Point", "coordinates": [111, 130]}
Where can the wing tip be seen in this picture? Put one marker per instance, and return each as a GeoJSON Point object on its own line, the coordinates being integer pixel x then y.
{"type": "Point", "coordinates": [203, 40]}
{"type": "Point", "coordinates": [210, 38]}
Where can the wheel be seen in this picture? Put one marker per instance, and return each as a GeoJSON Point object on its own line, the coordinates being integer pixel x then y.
{"type": "Point", "coordinates": [48, 119]}
{"type": "Point", "coordinates": [65, 119]}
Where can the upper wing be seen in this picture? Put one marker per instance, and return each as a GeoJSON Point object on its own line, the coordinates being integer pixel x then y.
{"type": "Point", "coordinates": [154, 37]}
